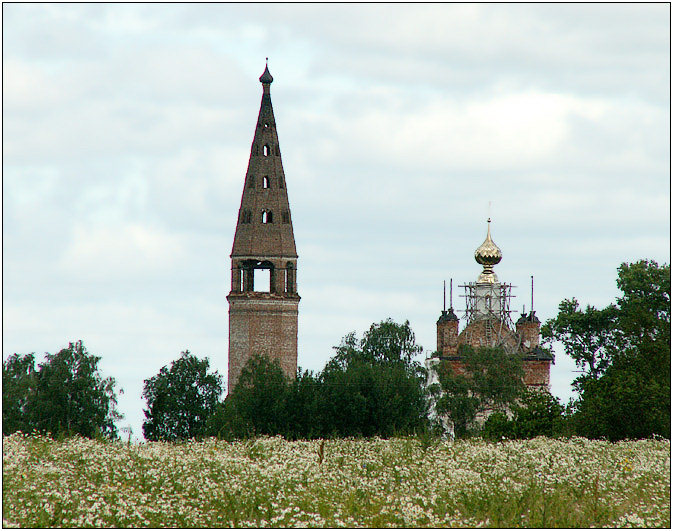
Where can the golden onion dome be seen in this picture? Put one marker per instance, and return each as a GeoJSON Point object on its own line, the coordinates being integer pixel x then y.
{"type": "Point", "coordinates": [488, 254]}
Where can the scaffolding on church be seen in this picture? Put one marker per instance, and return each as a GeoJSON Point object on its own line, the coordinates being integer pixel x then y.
{"type": "Point", "coordinates": [490, 303]}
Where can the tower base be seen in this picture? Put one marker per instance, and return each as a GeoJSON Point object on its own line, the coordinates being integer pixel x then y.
{"type": "Point", "coordinates": [262, 323]}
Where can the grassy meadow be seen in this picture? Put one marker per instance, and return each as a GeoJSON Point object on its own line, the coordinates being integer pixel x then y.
{"type": "Point", "coordinates": [271, 482]}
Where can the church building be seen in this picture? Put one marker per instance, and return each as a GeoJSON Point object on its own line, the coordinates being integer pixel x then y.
{"type": "Point", "coordinates": [263, 301]}
{"type": "Point", "coordinates": [488, 324]}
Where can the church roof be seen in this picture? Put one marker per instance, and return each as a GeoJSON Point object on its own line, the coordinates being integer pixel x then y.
{"type": "Point", "coordinates": [448, 315]}
{"type": "Point", "coordinates": [488, 254]}
{"type": "Point", "coordinates": [528, 317]}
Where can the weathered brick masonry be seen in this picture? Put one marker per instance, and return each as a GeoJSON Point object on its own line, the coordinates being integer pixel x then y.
{"type": "Point", "coordinates": [263, 322]}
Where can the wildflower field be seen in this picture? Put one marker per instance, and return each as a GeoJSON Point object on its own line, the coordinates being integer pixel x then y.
{"type": "Point", "coordinates": [403, 482]}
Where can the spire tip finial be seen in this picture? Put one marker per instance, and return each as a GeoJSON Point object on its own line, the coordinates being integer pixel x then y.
{"type": "Point", "coordinates": [266, 77]}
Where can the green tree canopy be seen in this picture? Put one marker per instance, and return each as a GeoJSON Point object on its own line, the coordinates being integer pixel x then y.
{"type": "Point", "coordinates": [587, 336]}
{"type": "Point", "coordinates": [385, 343]}
{"type": "Point", "coordinates": [624, 349]}
{"type": "Point", "coordinates": [534, 414]}
{"type": "Point", "coordinates": [180, 399]}
{"type": "Point", "coordinates": [370, 387]}
{"type": "Point", "coordinates": [259, 400]}
{"type": "Point", "coordinates": [374, 386]}
{"type": "Point", "coordinates": [18, 387]}
{"type": "Point", "coordinates": [66, 395]}
{"type": "Point", "coordinates": [266, 402]}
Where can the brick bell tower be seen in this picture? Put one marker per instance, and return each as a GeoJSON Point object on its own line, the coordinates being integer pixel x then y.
{"type": "Point", "coordinates": [263, 301]}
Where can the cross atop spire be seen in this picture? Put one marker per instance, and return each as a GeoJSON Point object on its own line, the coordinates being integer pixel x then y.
{"type": "Point", "coordinates": [266, 78]}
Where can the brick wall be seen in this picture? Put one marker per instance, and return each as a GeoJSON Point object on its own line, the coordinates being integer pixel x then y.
{"type": "Point", "coordinates": [537, 373]}
{"type": "Point", "coordinates": [447, 337]}
{"type": "Point", "coordinates": [529, 331]}
{"type": "Point", "coordinates": [526, 337]}
{"type": "Point", "coordinates": [262, 323]}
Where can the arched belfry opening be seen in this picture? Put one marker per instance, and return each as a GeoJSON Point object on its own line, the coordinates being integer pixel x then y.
{"type": "Point", "coordinates": [255, 276]}
{"type": "Point", "coordinates": [263, 300]}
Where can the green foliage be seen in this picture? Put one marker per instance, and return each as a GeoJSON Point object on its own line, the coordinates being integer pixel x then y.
{"type": "Point", "coordinates": [625, 351]}
{"type": "Point", "coordinates": [536, 413]}
{"type": "Point", "coordinates": [645, 304]}
{"type": "Point", "coordinates": [258, 403]}
{"type": "Point", "coordinates": [367, 399]}
{"type": "Point", "coordinates": [374, 386]}
{"type": "Point", "coordinates": [18, 385]}
{"type": "Point", "coordinates": [586, 335]}
{"type": "Point", "coordinates": [370, 387]}
{"type": "Point", "coordinates": [498, 427]}
{"type": "Point", "coordinates": [66, 395]}
{"type": "Point", "coordinates": [385, 343]}
{"type": "Point", "coordinates": [493, 380]}
{"type": "Point", "coordinates": [180, 399]}
{"type": "Point", "coordinates": [457, 400]}
{"type": "Point", "coordinates": [303, 407]}
{"type": "Point", "coordinates": [539, 413]}
{"type": "Point", "coordinates": [624, 404]}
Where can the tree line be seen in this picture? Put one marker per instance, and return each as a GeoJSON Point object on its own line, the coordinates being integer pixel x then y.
{"type": "Point", "coordinates": [374, 385]}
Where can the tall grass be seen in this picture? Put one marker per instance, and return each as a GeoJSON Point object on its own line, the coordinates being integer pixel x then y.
{"type": "Point", "coordinates": [406, 482]}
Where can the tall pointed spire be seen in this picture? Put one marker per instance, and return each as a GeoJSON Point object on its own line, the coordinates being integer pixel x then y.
{"type": "Point", "coordinates": [264, 221]}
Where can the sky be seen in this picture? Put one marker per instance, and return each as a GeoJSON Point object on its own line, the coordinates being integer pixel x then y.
{"type": "Point", "coordinates": [127, 132]}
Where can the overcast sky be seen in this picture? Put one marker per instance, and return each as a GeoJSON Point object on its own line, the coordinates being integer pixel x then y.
{"type": "Point", "coordinates": [127, 132]}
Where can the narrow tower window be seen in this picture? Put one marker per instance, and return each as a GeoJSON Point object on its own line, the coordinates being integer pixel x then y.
{"type": "Point", "coordinates": [266, 125]}
{"type": "Point", "coordinates": [286, 216]}
{"type": "Point", "coordinates": [267, 216]}
{"type": "Point", "coordinates": [289, 278]}
{"type": "Point", "coordinates": [266, 183]}
{"type": "Point", "coordinates": [266, 150]}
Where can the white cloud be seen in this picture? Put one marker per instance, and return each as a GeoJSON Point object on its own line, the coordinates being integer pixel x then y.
{"type": "Point", "coordinates": [126, 251]}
